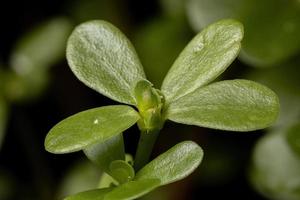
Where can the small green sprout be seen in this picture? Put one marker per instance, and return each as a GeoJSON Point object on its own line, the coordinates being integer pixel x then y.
{"type": "Point", "coordinates": [105, 60]}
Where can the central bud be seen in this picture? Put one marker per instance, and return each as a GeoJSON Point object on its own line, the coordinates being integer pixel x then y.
{"type": "Point", "coordinates": [150, 102]}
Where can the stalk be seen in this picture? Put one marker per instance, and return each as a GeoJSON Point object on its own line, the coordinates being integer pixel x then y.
{"type": "Point", "coordinates": [144, 149]}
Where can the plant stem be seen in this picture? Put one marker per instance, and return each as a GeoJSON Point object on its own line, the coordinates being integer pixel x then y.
{"type": "Point", "coordinates": [144, 149]}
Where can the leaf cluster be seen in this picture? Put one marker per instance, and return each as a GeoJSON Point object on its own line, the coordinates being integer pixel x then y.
{"type": "Point", "coordinates": [103, 58]}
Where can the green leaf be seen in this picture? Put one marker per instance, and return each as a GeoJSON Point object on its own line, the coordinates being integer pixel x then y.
{"type": "Point", "coordinates": [275, 170]}
{"type": "Point", "coordinates": [103, 58]}
{"type": "Point", "coordinates": [173, 165]}
{"type": "Point", "coordinates": [89, 127]}
{"type": "Point", "coordinates": [132, 189]}
{"type": "Point", "coordinates": [42, 47]}
{"type": "Point", "coordinates": [235, 105]}
{"type": "Point", "coordinates": [203, 59]}
{"type": "Point", "coordinates": [121, 171]}
{"type": "Point", "coordinates": [107, 181]}
{"type": "Point", "coordinates": [269, 40]}
{"type": "Point", "coordinates": [104, 152]}
{"type": "Point", "coordinates": [97, 194]}
{"type": "Point", "coordinates": [293, 138]}
{"type": "Point", "coordinates": [127, 191]}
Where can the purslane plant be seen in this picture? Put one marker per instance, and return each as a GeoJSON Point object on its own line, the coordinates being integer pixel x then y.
{"type": "Point", "coordinates": [104, 59]}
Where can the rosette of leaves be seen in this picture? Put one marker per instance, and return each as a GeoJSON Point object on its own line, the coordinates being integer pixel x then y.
{"type": "Point", "coordinates": [103, 58]}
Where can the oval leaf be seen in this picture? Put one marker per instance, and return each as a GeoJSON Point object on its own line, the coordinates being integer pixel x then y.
{"type": "Point", "coordinates": [105, 152]}
{"type": "Point", "coordinates": [97, 194]}
{"type": "Point", "coordinates": [132, 190]}
{"type": "Point", "coordinates": [121, 171]}
{"type": "Point", "coordinates": [103, 58]}
{"type": "Point", "coordinates": [235, 105]}
{"type": "Point", "coordinates": [89, 127]}
{"type": "Point", "coordinates": [173, 165]}
{"type": "Point", "coordinates": [203, 59]}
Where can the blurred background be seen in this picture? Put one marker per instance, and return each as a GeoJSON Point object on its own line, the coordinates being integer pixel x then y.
{"type": "Point", "coordinates": [37, 90]}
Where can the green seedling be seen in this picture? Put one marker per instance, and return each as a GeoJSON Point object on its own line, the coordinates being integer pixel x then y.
{"type": "Point", "coordinates": [103, 58]}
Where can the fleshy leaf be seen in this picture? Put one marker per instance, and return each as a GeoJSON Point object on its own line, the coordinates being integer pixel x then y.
{"type": "Point", "coordinates": [132, 190]}
{"type": "Point", "coordinates": [97, 194]}
{"type": "Point", "coordinates": [293, 138]}
{"type": "Point", "coordinates": [105, 152]}
{"type": "Point", "coordinates": [203, 59]}
{"type": "Point", "coordinates": [236, 105]}
{"type": "Point", "coordinates": [121, 171]}
{"type": "Point", "coordinates": [89, 127]}
{"type": "Point", "coordinates": [103, 58]}
{"type": "Point", "coordinates": [107, 181]}
{"type": "Point", "coordinates": [42, 47]}
{"type": "Point", "coordinates": [127, 191]}
{"type": "Point", "coordinates": [173, 165]}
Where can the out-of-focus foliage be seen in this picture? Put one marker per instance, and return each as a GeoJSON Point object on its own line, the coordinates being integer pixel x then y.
{"type": "Point", "coordinates": [30, 61]}
{"type": "Point", "coordinates": [272, 26]}
{"type": "Point", "coordinates": [17, 88]}
{"type": "Point", "coordinates": [174, 8]}
{"type": "Point", "coordinates": [81, 176]}
{"type": "Point", "coordinates": [158, 43]}
{"type": "Point", "coordinates": [276, 166]}
{"type": "Point", "coordinates": [33, 55]}
{"type": "Point", "coordinates": [293, 138]}
{"type": "Point", "coordinates": [111, 10]}
{"type": "Point", "coordinates": [275, 170]}
{"type": "Point", "coordinates": [3, 118]}
{"type": "Point", "coordinates": [42, 47]}
{"type": "Point", "coordinates": [6, 185]}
